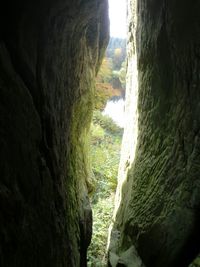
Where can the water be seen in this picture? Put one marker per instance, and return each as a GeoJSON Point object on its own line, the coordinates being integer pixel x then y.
{"type": "Point", "coordinates": [115, 110]}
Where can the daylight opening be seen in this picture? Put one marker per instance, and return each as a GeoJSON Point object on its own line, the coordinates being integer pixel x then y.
{"type": "Point", "coordinates": [106, 132]}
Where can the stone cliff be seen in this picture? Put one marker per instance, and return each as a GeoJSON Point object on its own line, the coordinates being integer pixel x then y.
{"type": "Point", "coordinates": [159, 199]}
{"type": "Point", "coordinates": [50, 52]}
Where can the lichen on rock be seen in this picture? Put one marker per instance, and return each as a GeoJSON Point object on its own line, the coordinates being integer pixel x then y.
{"type": "Point", "coordinates": [50, 52]}
{"type": "Point", "coordinates": [158, 213]}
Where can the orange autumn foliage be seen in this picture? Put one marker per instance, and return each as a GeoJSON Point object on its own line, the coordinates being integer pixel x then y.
{"type": "Point", "coordinates": [104, 91]}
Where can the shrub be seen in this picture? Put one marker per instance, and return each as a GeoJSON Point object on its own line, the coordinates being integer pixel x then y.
{"type": "Point", "coordinates": [107, 124]}
{"type": "Point", "coordinates": [105, 154]}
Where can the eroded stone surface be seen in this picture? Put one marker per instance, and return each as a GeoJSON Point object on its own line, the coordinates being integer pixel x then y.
{"type": "Point", "coordinates": [49, 54]}
{"type": "Point", "coordinates": [159, 208]}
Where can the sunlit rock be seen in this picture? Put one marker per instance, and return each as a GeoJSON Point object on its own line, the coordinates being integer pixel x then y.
{"type": "Point", "coordinates": [157, 201]}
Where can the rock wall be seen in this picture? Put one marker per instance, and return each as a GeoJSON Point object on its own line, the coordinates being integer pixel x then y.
{"type": "Point", "coordinates": [159, 201]}
{"type": "Point", "coordinates": [50, 52]}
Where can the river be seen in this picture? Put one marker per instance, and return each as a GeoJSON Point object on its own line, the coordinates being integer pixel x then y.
{"type": "Point", "coordinates": [115, 110]}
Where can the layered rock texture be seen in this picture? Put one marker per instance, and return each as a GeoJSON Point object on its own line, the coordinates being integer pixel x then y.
{"type": "Point", "coordinates": [50, 52]}
{"type": "Point", "coordinates": [159, 201]}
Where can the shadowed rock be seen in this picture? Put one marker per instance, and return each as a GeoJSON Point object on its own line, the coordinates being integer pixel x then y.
{"type": "Point", "coordinates": [50, 52]}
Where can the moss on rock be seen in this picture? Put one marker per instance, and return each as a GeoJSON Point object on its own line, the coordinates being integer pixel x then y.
{"type": "Point", "coordinates": [50, 52]}
{"type": "Point", "coordinates": [158, 213]}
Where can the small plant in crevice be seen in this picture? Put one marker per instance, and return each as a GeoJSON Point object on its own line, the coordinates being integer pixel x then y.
{"type": "Point", "coordinates": [105, 154]}
{"type": "Point", "coordinates": [196, 262]}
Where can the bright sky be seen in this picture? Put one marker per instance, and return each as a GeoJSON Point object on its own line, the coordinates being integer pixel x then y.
{"type": "Point", "coordinates": [117, 12]}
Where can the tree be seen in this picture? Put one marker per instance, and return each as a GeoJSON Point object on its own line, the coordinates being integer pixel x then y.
{"type": "Point", "coordinates": [104, 91]}
{"type": "Point", "coordinates": [105, 72]}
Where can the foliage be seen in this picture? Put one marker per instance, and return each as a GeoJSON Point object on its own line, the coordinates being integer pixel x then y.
{"type": "Point", "coordinates": [117, 51]}
{"type": "Point", "coordinates": [105, 148]}
{"type": "Point", "coordinates": [110, 81]}
{"type": "Point", "coordinates": [196, 262]}
{"type": "Point", "coordinates": [122, 75]}
{"type": "Point", "coordinates": [110, 127]}
{"type": "Point", "coordinates": [104, 91]}
{"type": "Point", "coordinates": [102, 212]}
{"type": "Point", "coordinates": [105, 72]}
{"type": "Point", "coordinates": [119, 77]}
{"type": "Point", "coordinates": [105, 154]}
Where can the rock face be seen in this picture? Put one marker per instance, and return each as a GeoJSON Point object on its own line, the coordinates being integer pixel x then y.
{"type": "Point", "coordinates": [49, 54]}
{"type": "Point", "coordinates": [159, 201]}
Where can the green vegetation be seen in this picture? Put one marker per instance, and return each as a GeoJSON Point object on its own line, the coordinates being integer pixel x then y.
{"type": "Point", "coordinates": [111, 79]}
{"type": "Point", "coordinates": [196, 262]}
{"type": "Point", "coordinates": [105, 153]}
{"type": "Point", "coordinates": [116, 51]}
{"type": "Point", "coordinates": [105, 148]}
